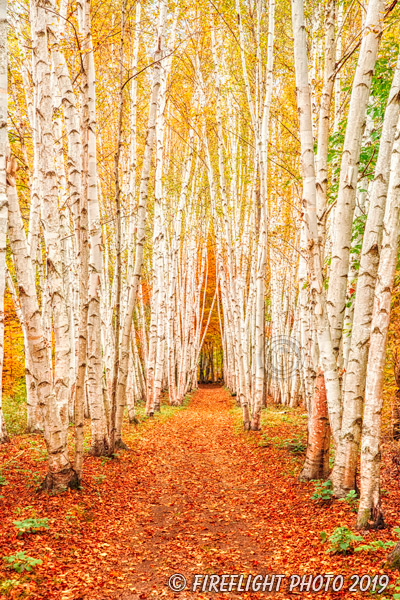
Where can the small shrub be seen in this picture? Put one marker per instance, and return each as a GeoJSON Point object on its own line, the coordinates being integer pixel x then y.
{"type": "Point", "coordinates": [19, 510]}
{"type": "Point", "coordinates": [322, 491]}
{"type": "Point", "coordinates": [378, 545]}
{"type": "Point", "coordinates": [341, 540]}
{"type": "Point", "coordinates": [20, 562]}
{"type": "Point", "coordinates": [296, 446]}
{"type": "Point", "coordinates": [7, 585]}
{"type": "Point", "coordinates": [351, 498]}
{"type": "Point", "coordinates": [375, 545]}
{"type": "Point", "coordinates": [30, 525]}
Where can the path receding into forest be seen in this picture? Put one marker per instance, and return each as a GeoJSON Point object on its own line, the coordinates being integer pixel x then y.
{"type": "Point", "coordinates": [194, 496]}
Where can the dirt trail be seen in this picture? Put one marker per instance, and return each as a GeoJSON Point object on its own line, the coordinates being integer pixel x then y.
{"type": "Point", "coordinates": [217, 504]}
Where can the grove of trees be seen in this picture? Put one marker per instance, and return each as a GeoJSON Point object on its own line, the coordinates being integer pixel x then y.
{"type": "Point", "coordinates": [202, 191]}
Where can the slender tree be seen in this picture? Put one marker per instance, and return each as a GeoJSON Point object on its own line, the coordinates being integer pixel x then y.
{"type": "Point", "coordinates": [3, 194]}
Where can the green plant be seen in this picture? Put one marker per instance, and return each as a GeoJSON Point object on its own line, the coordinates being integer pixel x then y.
{"type": "Point", "coordinates": [35, 479]}
{"type": "Point", "coordinates": [100, 478]}
{"type": "Point", "coordinates": [378, 545]}
{"type": "Point", "coordinates": [322, 491]}
{"type": "Point", "coordinates": [20, 562]}
{"type": "Point", "coordinates": [264, 442]}
{"type": "Point", "coordinates": [296, 446]}
{"type": "Point", "coordinates": [375, 545]}
{"type": "Point", "coordinates": [7, 585]}
{"type": "Point", "coordinates": [14, 402]}
{"type": "Point", "coordinates": [3, 480]}
{"type": "Point", "coordinates": [30, 525]}
{"type": "Point", "coordinates": [351, 498]}
{"type": "Point", "coordinates": [341, 540]}
{"type": "Point", "coordinates": [19, 510]}
{"type": "Point", "coordinates": [42, 455]}
{"type": "Point", "coordinates": [396, 588]}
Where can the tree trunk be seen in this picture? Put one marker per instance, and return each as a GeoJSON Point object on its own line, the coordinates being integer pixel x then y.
{"type": "Point", "coordinates": [393, 560]}
{"type": "Point", "coordinates": [344, 471]}
{"type": "Point", "coordinates": [99, 442]}
{"type": "Point", "coordinates": [133, 284]}
{"type": "Point", "coordinates": [51, 230]}
{"type": "Point", "coordinates": [3, 193]}
{"type": "Point", "coordinates": [344, 209]}
{"type": "Point", "coordinates": [118, 404]}
{"type": "Point", "coordinates": [60, 474]}
{"type": "Point", "coordinates": [259, 346]}
{"type": "Point", "coordinates": [327, 355]}
{"type": "Point", "coordinates": [370, 512]}
{"type": "Point", "coordinates": [316, 465]}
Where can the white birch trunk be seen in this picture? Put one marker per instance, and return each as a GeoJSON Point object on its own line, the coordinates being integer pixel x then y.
{"type": "Point", "coordinates": [3, 193]}
{"type": "Point", "coordinates": [140, 229]}
{"type": "Point", "coordinates": [99, 443]}
{"type": "Point", "coordinates": [344, 209]}
{"type": "Point", "coordinates": [50, 219]}
{"type": "Point", "coordinates": [370, 512]}
{"type": "Point", "coordinates": [259, 350]}
{"type": "Point", "coordinates": [344, 472]}
{"type": "Point", "coordinates": [61, 474]}
{"type": "Point", "coordinates": [328, 359]}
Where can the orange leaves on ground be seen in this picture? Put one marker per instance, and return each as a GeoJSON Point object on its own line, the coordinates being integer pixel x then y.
{"type": "Point", "coordinates": [193, 496]}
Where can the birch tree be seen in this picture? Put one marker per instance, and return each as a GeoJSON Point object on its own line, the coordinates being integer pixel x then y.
{"type": "Point", "coordinates": [345, 204]}
{"type": "Point", "coordinates": [318, 299]}
{"type": "Point", "coordinates": [51, 223]}
{"type": "Point", "coordinates": [344, 472]}
{"type": "Point", "coordinates": [370, 512]}
{"type": "Point", "coordinates": [99, 444]}
{"type": "Point", "coordinates": [61, 474]}
{"type": "Point", "coordinates": [119, 397]}
{"type": "Point", "coordinates": [259, 348]}
{"type": "Point", "coordinates": [3, 194]}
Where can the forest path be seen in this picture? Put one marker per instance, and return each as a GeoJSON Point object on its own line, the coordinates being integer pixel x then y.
{"type": "Point", "coordinates": [214, 503]}
{"type": "Point", "coordinates": [195, 495]}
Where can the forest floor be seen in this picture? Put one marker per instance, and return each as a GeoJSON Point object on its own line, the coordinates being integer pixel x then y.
{"type": "Point", "coordinates": [195, 495]}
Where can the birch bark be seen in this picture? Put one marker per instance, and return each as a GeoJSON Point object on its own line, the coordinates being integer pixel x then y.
{"type": "Point", "coordinates": [99, 443]}
{"type": "Point", "coordinates": [328, 359]}
{"type": "Point", "coordinates": [114, 425]}
{"type": "Point", "coordinates": [50, 220]}
{"type": "Point", "coordinates": [344, 471]}
{"type": "Point", "coordinates": [370, 512]}
{"type": "Point", "coordinates": [60, 474]}
{"type": "Point", "coordinates": [3, 193]}
{"type": "Point", "coordinates": [259, 349]}
{"type": "Point", "coordinates": [140, 229]}
{"type": "Point", "coordinates": [343, 220]}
